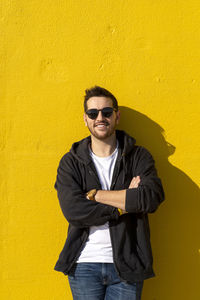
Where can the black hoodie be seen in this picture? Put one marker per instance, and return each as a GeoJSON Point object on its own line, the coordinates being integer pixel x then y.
{"type": "Point", "coordinates": [130, 235]}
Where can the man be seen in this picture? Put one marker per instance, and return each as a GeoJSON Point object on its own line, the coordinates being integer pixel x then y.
{"type": "Point", "coordinates": [106, 187]}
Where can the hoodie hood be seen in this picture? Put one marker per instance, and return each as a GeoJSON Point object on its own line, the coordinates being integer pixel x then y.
{"type": "Point", "coordinates": [80, 149]}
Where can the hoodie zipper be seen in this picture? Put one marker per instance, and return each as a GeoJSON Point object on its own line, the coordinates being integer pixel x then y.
{"type": "Point", "coordinates": [116, 267]}
{"type": "Point", "coordinates": [115, 173]}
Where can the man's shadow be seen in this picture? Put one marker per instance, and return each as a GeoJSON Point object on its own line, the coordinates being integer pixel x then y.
{"type": "Point", "coordinates": [175, 233]}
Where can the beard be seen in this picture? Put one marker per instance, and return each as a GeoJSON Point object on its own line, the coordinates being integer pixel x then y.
{"type": "Point", "coordinates": [102, 134]}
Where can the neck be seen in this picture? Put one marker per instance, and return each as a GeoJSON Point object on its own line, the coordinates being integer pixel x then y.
{"type": "Point", "coordinates": [104, 147]}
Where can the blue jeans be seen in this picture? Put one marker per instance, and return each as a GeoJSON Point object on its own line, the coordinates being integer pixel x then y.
{"type": "Point", "coordinates": [99, 281]}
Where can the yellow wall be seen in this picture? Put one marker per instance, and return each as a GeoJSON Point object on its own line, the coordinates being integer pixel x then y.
{"type": "Point", "coordinates": [148, 54]}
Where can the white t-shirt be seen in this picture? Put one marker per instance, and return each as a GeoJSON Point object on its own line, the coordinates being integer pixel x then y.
{"type": "Point", "coordinates": [98, 247]}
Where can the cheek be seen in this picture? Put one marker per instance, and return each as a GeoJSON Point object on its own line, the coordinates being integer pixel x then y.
{"type": "Point", "coordinates": [115, 120]}
{"type": "Point", "coordinates": [89, 124]}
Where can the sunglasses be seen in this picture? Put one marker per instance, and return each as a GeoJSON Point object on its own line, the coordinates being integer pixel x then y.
{"type": "Point", "coordinates": [106, 112]}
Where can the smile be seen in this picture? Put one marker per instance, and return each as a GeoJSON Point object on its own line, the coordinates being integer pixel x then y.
{"type": "Point", "coordinates": [101, 125]}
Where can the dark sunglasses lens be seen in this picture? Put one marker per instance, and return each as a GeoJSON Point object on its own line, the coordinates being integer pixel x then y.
{"type": "Point", "coordinates": [107, 112]}
{"type": "Point", "coordinates": [92, 113]}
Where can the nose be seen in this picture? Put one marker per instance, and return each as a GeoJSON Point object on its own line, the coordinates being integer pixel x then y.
{"type": "Point", "coordinates": [100, 116]}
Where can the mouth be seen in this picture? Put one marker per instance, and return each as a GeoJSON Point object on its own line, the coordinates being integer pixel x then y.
{"type": "Point", "coordinates": [101, 125]}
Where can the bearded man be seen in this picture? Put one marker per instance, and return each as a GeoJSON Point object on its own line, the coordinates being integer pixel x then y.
{"type": "Point", "coordinates": [107, 186]}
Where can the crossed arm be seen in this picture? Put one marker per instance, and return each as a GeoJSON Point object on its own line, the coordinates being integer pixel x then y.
{"type": "Point", "coordinates": [144, 195]}
{"type": "Point", "coordinates": [116, 198]}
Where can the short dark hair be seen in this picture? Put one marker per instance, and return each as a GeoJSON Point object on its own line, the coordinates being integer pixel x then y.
{"type": "Point", "coordinates": [98, 91]}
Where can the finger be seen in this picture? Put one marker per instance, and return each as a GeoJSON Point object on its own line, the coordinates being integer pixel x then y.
{"type": "Point", "coordinates": [138, 178]}
{"type": "Point", "coordinates": [136, 181]}
{"type": "Point", "coordinates": [135, 184]}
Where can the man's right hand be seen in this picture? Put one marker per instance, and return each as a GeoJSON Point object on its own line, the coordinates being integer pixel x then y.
{"type": "Point", "coordinates": [134, 182]}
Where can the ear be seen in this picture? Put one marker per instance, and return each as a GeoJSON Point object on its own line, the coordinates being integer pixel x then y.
{"type": "Point", "coordinates": [118, 114]}
{"type": "Point", "coordinates": [85, 119]}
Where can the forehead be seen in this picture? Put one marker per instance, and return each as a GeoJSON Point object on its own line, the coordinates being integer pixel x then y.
{"type": "Point", "coordinates": [99, 102]}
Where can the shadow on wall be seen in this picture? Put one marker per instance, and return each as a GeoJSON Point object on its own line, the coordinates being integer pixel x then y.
{"type": "Point", "coordinates": [175, 233]}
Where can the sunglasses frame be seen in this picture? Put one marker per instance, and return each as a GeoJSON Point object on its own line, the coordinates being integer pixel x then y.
{"type": "Point", "coordinates": [96, 111]}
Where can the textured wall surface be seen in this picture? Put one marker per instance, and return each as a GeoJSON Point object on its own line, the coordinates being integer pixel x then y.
{"type": "Point", "coordinates": [148, 54]}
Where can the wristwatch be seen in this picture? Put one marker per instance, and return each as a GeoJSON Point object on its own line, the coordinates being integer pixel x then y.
{"type": "Point", "coordinates": [91, 194]}
{"type": "Point", "coordinates": [120, 211]}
